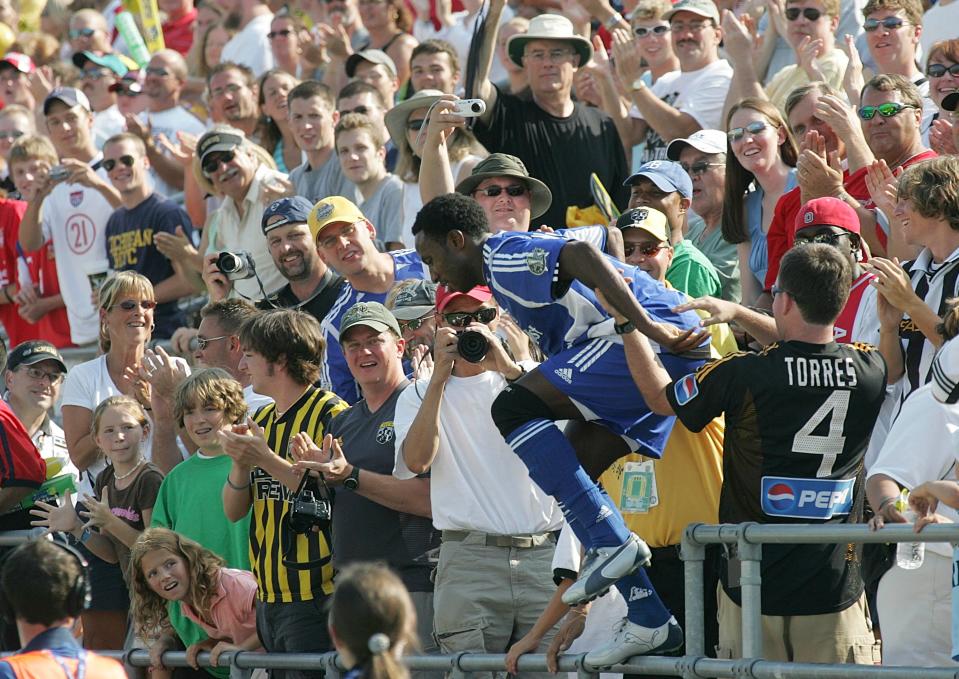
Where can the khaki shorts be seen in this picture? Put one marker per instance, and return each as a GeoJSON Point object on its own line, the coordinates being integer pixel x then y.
{"type": "Point", "coordinates": [843, 637]}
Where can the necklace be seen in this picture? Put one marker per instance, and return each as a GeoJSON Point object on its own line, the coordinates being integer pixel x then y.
{"type": "Point", "coordinates": [120, 477]}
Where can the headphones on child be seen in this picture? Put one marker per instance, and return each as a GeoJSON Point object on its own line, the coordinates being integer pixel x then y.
{"type": "Point", "coordinates": [79, 596]}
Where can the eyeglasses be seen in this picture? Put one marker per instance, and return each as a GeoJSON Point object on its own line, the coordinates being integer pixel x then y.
{"type": "Point", "coordinates": [939, 70]}
{"type": "Point", "coordinates": [362, 110]}
{"type": "Point", "coordinates": [40, 375]}
{"type": "Point", "coordinates": [513, 190]}
{"type": "Point", "coordinates": [700, 167]}
{"type": "Point", "coordinates": [232, 88]}
{"type": "Point", "coordinates": [811, 13]}
{"type": "Point", "coordinates": [414, 324]}
{"type": "Point", "coordinates": [10, 134]}
{"type": "Point", "coordinates": [645, 249]}
{"type": "Point", "coordinates": [111, 163]}
{"type": "Point", "coordinates": [776, 290]}
{"type": "Point", "coordinates": [887, 110]}
{"type": "Point", "coordinates": [892, 23]}
{"type": "Point", "coordinates": [284, 33]}
{"type": "Point", "coordinates": [754, 127]}
{"type": "Point", "coordinates": [461, 319]}
{"type": "Point", "coordinates": [694, 27]}
{"type": "Point", "coordinates": [82, 33]}
{"type": "Point", "coordinates": [823, 238]}
{"type": "Point", "coordinates": [332, 241]}
{"type": "Point", "coordinates": [642, 31]}
{"type": "Point", "coordinates": [556, 56]}
{"type": "Point", "coordinates": [415, 125]}
{"type": "Point", "coordinates": [131, 304]}
{"type": "Point", "coordinates": [212, 162]}
{"type": "Point", "coordinates": [94, 73]}
{"type": "Point", "coordinates": [202, 342]}
{"type": "Point", "coordinates": [158, 72]}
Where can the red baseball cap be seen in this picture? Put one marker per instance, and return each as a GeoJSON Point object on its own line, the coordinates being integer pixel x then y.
{"type": "Point", "coordinates": [444, 295]}
{"type": "Point", "coordinates": [19, 61]}
{"type": "Point", "coordinates": [827, 212]}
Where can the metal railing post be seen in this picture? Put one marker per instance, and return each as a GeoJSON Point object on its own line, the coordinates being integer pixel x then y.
{"type": "Point", "coordinates": [693, 556]}
{"type": "Point", "coordinates": [750, 557]}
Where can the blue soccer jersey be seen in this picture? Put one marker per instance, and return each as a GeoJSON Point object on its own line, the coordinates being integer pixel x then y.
{"type": "Point", "coordinates": [522, 270]}
{"type": "Point", "coordinates": [336, 374]}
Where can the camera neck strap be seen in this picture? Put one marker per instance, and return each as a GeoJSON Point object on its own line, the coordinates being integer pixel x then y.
{"type": "Point", "coordinates": [288, 535]}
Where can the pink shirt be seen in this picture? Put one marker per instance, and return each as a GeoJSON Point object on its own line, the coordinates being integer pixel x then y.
{"type": "Point", "coordinates": [232, 610]}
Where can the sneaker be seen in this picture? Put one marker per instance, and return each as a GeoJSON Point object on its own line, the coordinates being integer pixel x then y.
{"type": "Point", "coordinates": [603, 566]}
{"type": "Point", "coordinates": [630, 639]}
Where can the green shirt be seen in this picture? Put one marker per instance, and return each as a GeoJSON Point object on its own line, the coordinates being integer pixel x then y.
{"type": "Point", "coordinates": [691, 272]}
{"type": "Point", "coordinates": [721, 253]}
{"type": "Point", "coordinates": [190, 502]}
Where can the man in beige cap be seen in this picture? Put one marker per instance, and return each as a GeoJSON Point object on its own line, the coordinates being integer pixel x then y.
{"type": "Point", "coordinates": [534, 129]}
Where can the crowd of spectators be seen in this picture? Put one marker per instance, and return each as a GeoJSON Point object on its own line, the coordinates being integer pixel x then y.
{"type": "Point", "coordinates": [277, 304]}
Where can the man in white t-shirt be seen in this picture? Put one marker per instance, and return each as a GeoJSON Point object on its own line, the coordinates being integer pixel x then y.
{"type": "Point", "coordinates": [495, 566]}
{"type": "Point", "coordinates": [166, 76]}
{"type": "Point", "coordinates": [680, 103]}
{"type": "Point", "coordinates": [75, 209]}
{"type": "Point", "coordinates": [251, 46]}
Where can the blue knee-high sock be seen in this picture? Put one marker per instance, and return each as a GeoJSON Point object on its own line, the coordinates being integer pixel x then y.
{"type": "Point", "coordinates": [643, 605]}
{"type": "Point", "coordinates": [553, 466]}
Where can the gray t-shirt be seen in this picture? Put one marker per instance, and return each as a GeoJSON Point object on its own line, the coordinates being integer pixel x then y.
{"type": "Point", "coordinates": [364, 530]}
{"type": "Point", "coordinates": [322, 182]}
{"type": "Point", "coordinates": [385, 209]}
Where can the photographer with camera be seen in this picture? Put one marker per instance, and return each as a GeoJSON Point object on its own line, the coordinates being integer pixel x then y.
{"type": "Point", "coordinates": [498, 528]}
{"type": "Point", "coordinates": [281, 353]}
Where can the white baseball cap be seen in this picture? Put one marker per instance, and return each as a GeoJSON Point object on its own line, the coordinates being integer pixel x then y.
{"type": "Point", "coordinates": [707, 141]}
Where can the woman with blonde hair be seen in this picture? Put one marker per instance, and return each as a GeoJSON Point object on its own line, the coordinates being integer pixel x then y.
{"type": "Point", "coordinates": [372, 622]}
{"type": "Point", "coordinates": [760, 167]}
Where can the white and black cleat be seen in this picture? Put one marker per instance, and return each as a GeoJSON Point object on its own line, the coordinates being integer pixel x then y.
{"type": "Point", "coordinates": [603, 566]}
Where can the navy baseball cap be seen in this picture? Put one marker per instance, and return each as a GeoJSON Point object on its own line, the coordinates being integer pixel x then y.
{"type": "Point", "coordinates": [666, 175]}
{"type": "Point", "coordinates": [293, 210]}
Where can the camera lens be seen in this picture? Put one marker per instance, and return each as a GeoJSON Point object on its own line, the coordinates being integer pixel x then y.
{"type": "Point", "coordinates": [472, 345]}
{"type": "Point", "coordinates": [475, 107]}
{"type": "Point", "coordinates": [228, 263]}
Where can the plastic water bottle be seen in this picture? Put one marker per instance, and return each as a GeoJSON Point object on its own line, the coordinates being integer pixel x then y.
{"type": "Point", "coordinates": [909, 555]}
{"type": "Point", "coordinates": [127, 28]}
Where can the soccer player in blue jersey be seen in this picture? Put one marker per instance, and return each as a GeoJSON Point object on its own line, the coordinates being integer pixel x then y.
{"type": "Point", "coordinates": [546, 283]}
{"type": "Point", "coordinates": [344, 240]}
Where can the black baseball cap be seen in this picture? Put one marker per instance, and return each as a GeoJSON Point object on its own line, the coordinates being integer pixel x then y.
{"type": "Point", "coordinates": [34, 351]}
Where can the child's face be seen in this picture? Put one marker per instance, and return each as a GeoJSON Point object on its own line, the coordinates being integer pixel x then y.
{"type": "Point", "coordinates": [27, 176]}
{"type": "Point", "coordinates": [119, 436]}
{"type": "Point", "coordinates": [166, 574]}
{"type": "Point", "coordinates": [202, 424]}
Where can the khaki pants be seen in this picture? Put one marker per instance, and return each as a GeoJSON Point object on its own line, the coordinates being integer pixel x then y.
{"type": "Point", "coordinates": [842, 637]}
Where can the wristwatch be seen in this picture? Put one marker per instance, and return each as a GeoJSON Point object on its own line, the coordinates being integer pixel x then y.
{"type": "Point", "coordinates": [623, 328]}
{"type": "Point", "coordinates": [637, 85]}
{"type": "Point", "coordinates": [352, 482]}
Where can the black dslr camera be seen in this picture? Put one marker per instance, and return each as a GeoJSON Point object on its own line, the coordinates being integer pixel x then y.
{"type": "Point", "coordinates": [472, 345]}
{"type": "Point", "coordinates": [308, 510]}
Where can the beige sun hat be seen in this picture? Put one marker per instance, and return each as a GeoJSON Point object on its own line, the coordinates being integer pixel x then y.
{"type": "Point", "coordinates": [397, 116]}
{"type": "Point", "coordinates": [549, 27]}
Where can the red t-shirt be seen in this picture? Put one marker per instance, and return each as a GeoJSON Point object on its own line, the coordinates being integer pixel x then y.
{"type": "Point", "coordinates": [20, 462]}
{"type": "Point", "coordinates": [11, 212]}
{"type": "Point", "coordinates": [178, 34]}
{"type": "Point", "coordinates": [782, 230]}
{"type": "Point", "coordinates": [41, 266]}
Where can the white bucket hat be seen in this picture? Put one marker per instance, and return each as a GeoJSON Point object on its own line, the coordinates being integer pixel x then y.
{"type": "Point", "coordinates": [549, 27]}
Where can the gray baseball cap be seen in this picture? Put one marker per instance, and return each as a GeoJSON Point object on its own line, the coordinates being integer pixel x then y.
{"type": "Point", "coordinates": [417, 298]}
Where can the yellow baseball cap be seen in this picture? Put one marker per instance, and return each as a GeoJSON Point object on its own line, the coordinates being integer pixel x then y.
{"type": "Point", "coordinates": [333, 210]}
{"type": "Point", "coordinates": [647, 219]}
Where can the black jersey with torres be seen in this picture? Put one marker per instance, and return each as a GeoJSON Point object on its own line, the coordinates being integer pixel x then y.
{"type": "Point", "coordinates": [798, 421]}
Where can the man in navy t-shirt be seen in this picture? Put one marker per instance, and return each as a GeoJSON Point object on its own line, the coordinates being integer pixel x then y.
{"type": "Point", "coordinates": [131, 228]}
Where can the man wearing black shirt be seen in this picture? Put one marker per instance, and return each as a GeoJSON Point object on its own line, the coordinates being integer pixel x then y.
{"type": "Point", "coordinates": [312, 286]}
{"type": "Point", "coordinates": [798, 419]}
{"type": "Point", "coordinates": [534, 128]}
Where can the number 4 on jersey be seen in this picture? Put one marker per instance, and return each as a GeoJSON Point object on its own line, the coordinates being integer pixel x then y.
{"type": "Point", "coordinates": [829, 445]}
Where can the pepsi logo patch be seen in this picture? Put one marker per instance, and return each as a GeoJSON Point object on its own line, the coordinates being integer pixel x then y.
{"type": "Point", "coordinates": [820, 499]}
{"type": "Point", "coordinates": [808, 217]}
{"type": "Point", "coordinates": [781, 496]}
{"type": "Point", "coordinates": [686, 389]}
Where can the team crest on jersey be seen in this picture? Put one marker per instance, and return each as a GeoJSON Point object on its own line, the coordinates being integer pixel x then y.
{"type": "Point", "coordinates": [536, 261]}
{"type": "Point", "coordinates": [76, 197]}
{"type": "Point", "coordinates": [385, 433]}
{"type": "Point", "coordinates": [686, 389]}
{"type": "Point", "coordinates": [534, 333]}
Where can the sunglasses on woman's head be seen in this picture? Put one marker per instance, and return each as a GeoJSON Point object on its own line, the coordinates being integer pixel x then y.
{"type": "Point", "coordinates": [513, 190]}
{"type": "Point", "coordinates": [131, 304]}
{"type": "Point", "coordinates": [461, 319]}
{"type": "Point", "coordinates": [754, 127]}
{"type": "Point", "coordinates": [111, 163]}
{"type": "Point", "coordinates": [811, 13]}
{"type": "Point", "coordinates": [939, 70]}
{"type": "Point", "coordinates": [887, 110]}
{"type": "Point", "coordinates": [892, 23]}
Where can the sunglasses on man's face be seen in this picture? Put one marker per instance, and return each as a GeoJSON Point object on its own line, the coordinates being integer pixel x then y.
{"type": "Point", "coordinates": [645, 249]}
{"type": "Point", "coordinates": [939, 70]}
{"type": "Point", "coordinates": [513, 190]}
{"type": "Point", "coordinates": [82, 33]}
{"type": "Point", "coordinates": [10, 134]}
{"type": "Point", "coordinates": [826, 239]}
{"type": "Point", "coordinates": [461, 319]}
{"type": "Point", "coordinates": [415, 323]}
{"type": "Point", "coordinates": [887, 110]}
{"type": "Point", "coordinates": [811, 13]}
{"type": "Point", "coordinates": [738, 133]}
{"type": "Point", "coordinates": [93, 74]}
{"type": "Point", "coordinates": [891, 23]}
{"type": "Point", "coordinates": [284, 33]}
{"type": "Point", "coordinates": [700, 167]}
{"type": "Point", "coordinates": [111, 163]}
{"type": "Point", "coordinates": [212, 163]}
